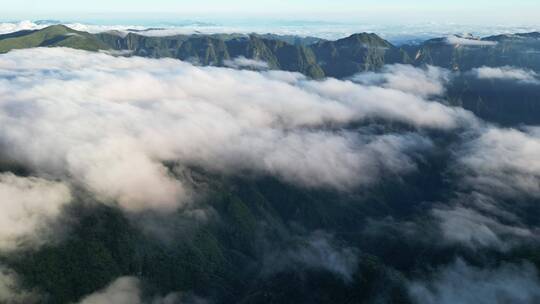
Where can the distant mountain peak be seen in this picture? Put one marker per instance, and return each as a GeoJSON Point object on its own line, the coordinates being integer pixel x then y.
{"type": "Point", "coordinates": [366, 39]}
{"type": "Point", "coordinates": [57, 28]}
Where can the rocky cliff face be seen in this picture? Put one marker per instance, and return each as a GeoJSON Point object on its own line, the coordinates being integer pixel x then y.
{"type": "Point", "coordinates": [313, 57]}
{"type": "Point", "coordinates": [459, 53]}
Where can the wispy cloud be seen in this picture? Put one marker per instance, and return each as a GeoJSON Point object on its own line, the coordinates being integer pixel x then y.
{"type": "Point", "coordinates": [471, 228]}
{"type": "Point", "coordinates": [458, 40]}
{"type": "Point", "coordinates": [506, 73]}
{"type": "Point", "coordinates": [317, 251]}
{"type": "Point", "coordinates": [124, 290]}
{"type": "Point", "coordinates": [426, 82]}
{"type": "Point", "coordinates": [27, 204]}
{"type": "Point", "coordinates": [127, 290]}
{"type": "Point", "coordinates": [243, 62]}
{"type": "Point", "coordinates": [502, 161]}
{"type": "Point", "coordinates": [462, 283]}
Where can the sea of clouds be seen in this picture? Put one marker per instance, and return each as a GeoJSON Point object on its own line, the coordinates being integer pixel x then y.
{"type": "Point", "coordinates": [124, 129]}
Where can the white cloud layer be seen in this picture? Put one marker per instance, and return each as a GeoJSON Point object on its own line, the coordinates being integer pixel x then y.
{"type": "Point", "coordinates": [474, 229]}
{"type": "Point", "coordinates": [246, 63]}
{"type": "Point", "coordinates": [507, 73]}
{"type": "Point", "coordinates": [10, 27]}
{"type": "Point", "coordinates": [425, 82]}
{"type": "Point", "coordinates": [503, 161]}
{"type": "Point", "coordinates": [27, 204]}
{"type": "Point", "coordinates": [458, 40]}
{"type": "Point", "coordinates": [126, 290]}
{"type": "Point", "coordinates": [109, 124]}
{"type": "Point", "coordinates": [317, 251]}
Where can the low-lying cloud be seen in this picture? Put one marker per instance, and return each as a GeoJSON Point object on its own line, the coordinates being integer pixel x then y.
{"type": "Point", "coordinates": [317, 251]}
{"type": "Point", "coordinates": [126, 129]}
{"type": "Point", "coordinates": [502, 161]}
{"type": "Point", "coordinates": [426, 82]}
{"type": "Point", "coordinates": [246, 63]}
{"type": "Point", "coordinates": [28, 203]}
{"type": "Point", "coordinates": [124, 290]}
{"type": "Point", "coordinates": [457, 40]}
{"type": "Point", "coordinates": [127, 290]}
{"type": "Point", "coordinates": [506, 73]}
{"type": "Point", "coordinates": [476, 230]}
{"type": "Point", "coordinates": [465, 284]}
{"type": "Point", "coordinates": [110, 124]}
{"type": "Point", "coordinates": [497, 174]}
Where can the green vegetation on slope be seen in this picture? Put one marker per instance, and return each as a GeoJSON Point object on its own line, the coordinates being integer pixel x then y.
{"type": "Point", "coordinates": [313, 57]}
{"type": "Point", "coordinates": [52, 36]}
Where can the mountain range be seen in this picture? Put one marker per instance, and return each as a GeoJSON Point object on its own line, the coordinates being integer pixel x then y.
{"type": "Point", "coordinates": [316, 58]}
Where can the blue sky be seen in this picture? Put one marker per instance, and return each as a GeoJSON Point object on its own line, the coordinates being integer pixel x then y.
{"type": "Point", "coordinates": [396, 11]}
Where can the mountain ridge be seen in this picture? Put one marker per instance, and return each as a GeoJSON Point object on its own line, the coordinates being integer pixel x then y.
{"type": "Point", "coordinates": [316, 58]}
{"type": "Point", "coordinates": [51, 36]}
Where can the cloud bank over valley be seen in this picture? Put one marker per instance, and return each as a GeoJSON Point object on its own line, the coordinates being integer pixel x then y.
{"type": "Point", "coordinates": [144, 140]}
